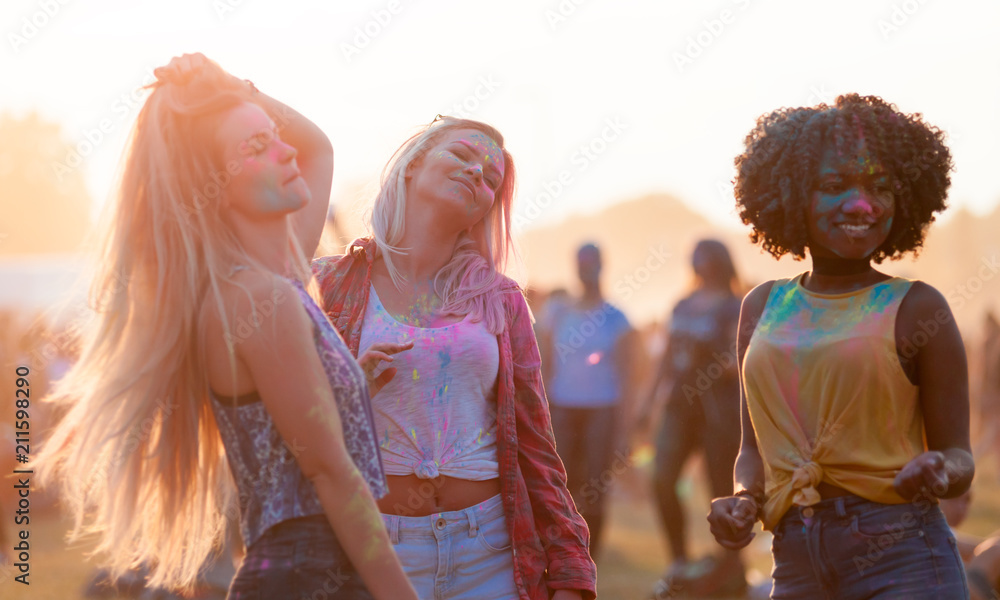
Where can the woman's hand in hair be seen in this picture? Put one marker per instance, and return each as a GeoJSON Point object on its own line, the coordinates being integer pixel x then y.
{"type": "Point", "coordinates": [181, 68]}
{"type": "Point", "coordinates": [373, 356]}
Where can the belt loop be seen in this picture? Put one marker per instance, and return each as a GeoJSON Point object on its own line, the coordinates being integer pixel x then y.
{"type": "Point", "coordinates": [473, 524]}
{"type": "Point", "coordinates": [839, 503]}
{"type": "Point", "coordinates": [393, 529]}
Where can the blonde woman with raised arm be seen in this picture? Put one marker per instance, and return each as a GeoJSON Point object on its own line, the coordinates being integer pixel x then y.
{"type": "Point", "coordinates": [208, 345]}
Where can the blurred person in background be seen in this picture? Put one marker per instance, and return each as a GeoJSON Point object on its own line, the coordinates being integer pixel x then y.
{"type": "Point", "coordinates": [589, 355]}
{"type": "Point", "coordinates": [554, 302]}
{"type": "Point", "coordinates": [989, 389]}
{"type": "Point", "coordinates": [702, 414]}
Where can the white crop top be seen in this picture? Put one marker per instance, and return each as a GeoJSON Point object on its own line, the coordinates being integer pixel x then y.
{"type": "Point", "coordinates": [438, 414]}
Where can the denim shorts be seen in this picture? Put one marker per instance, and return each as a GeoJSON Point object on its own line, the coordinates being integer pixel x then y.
{"type": "Point", "coordinates": [299, 559]}
{"type": "Point", "coordinates": [457, 555]}
{"type": "Point", "coordinates": [850, 548]}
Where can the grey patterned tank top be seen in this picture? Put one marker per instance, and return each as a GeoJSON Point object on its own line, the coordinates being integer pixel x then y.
{"type": "Point", "coordinates": [271, 486]}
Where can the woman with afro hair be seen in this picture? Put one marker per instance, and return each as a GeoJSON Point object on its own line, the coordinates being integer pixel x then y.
{"type": "Point", "coordinates": [853, 383]}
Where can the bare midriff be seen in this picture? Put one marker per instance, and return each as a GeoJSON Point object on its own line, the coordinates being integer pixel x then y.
{"type": "Point", "coordinates": [411, 496]}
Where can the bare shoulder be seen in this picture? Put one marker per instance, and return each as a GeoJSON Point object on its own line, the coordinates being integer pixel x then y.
{"type": "Point", "coordinates": [242, 319]}
{"type": "Point", "coordinates": [923, 300]}
{"type": "Point", "coordinates": [755, 301]}
{"type": "Point", "coordinates": [751, 310]}
{"type": "Point", "coordinates": [250, 288]}
{"type": "Point", "coordinates": [923, 308]}
{"type": "Point", "coordinates": [248, 291]}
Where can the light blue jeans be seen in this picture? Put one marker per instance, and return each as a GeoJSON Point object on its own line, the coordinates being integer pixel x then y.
{"type": "Point", "coordinates": [457, 555]}
{"type": "Point", "coordinates": [849, 548]}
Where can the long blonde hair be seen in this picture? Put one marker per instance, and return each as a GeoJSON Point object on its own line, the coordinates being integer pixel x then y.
{"type": "Point", "coordinates": [471, 282]}
{"type": "Point", "coordinates": [138, 455]}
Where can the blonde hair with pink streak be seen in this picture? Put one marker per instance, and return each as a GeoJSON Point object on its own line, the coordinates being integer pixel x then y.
{"type": "Point", "coordinates": [470, 284]}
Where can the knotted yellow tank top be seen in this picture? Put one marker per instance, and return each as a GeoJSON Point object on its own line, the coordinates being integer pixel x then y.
{"type": "Point", "coordinates": [827, 396]}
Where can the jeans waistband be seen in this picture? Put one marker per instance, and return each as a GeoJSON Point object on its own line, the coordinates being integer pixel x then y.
{"type": "Point", "coordinates": [312, 531]}
{"type": "Point", "coordinates": [446, 523]}
{"type": "Point", "coordinates": [844, 506]}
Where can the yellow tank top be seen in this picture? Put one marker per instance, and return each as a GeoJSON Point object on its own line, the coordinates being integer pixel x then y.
{"type": "Point", "coordinates": [827, 396]}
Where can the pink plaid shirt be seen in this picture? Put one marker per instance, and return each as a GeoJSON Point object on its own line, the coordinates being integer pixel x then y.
{"type": "Point", "coordinates": [550, 538]}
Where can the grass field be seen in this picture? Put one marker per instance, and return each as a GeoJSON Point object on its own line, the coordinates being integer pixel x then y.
{"type": "Point", "coordinates": [632, 559]}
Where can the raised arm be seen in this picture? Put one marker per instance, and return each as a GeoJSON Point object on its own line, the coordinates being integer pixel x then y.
{"type": "Point", "coordinates": [315, 161]}
{"type": "Point", "coordinates": [291, 382]}
{"type": "Point", "coordinates": [315, 153]}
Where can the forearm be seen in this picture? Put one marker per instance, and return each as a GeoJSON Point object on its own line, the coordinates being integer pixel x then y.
{"type": "Point", "coordinates": [355, 519]}
{"type": "Point", "coordinates": [961, 468]}
{"type": "Point", "coordinates": [748, 474]}
{"type": "Point", "coordinates": [315, 162]}
{"type": "Point", "coordinates": [301, 133]}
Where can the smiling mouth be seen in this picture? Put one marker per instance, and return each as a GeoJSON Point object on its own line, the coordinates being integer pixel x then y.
{"type": "Point", "coordinates": [293, 177]}
{"type": "Point", "coordinates": [466, 184]}
{"type": "Point", "coordinates": [856, 231]}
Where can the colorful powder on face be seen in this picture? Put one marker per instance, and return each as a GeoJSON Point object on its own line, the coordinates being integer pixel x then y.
{"type": "Point", "coordinates": [492, 151]}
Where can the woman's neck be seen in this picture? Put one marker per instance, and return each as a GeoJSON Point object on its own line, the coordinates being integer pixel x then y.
{"type": "Point", "coordinates": [427, 246]}
{"type": "Point", "coordinates": [835, 274]}
{"type": "Point", "coordinates": [422, 257]}
{"type": "Point", "coordinates": [267, 243]}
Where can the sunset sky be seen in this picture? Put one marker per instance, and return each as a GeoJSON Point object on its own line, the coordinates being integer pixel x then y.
{"type": "Point", "coordinates": [615, 98]}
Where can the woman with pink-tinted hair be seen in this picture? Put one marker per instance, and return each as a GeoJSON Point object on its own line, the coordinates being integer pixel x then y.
{"type": "Point", "coordinates": [477, 504]}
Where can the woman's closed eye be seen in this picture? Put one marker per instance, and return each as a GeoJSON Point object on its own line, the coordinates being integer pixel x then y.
{"type": "Point", "coordinates": [491, 181]}
{"type": "Point", "coordinates": [831, 186]}
{"type": "Point", "coordinates": [882, 186]}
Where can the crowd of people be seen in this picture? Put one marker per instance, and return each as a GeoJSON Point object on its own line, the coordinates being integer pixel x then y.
{"type": "Point", "coordinates": [397, 416]}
